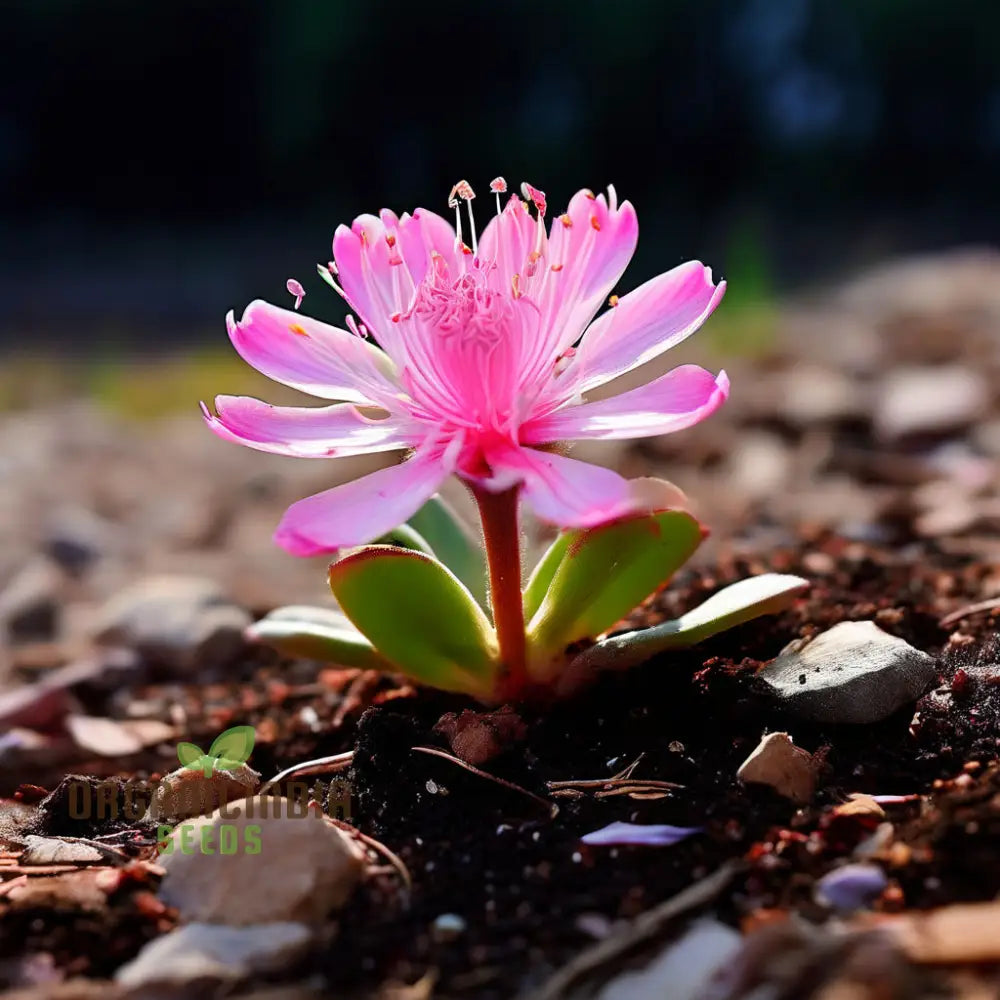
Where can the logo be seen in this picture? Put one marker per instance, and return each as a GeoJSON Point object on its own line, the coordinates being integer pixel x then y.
{"type": "Point", "coordinates": [229, 751]}
{"type": "Point", "coordinates": [113, 799]}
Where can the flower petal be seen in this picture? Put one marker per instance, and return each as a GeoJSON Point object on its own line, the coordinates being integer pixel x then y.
{"type": "Point", "coordinates": [360, 511]}
{"type": "Point", "coordinates": [592, 244]}
{"type": "Point", "coordinates": [647, 321]}
{"type": "Point", "coordinates": [562, 491]}
{"type": "Point", "coordinates": [644, 834]}
{"type": "Point", "coordinates": [679, 399]}
{"type": "Point", "coordinates": [379, 278]}
{"type": "Point", "coordinates": [308, 355]}
{"type": "Point", "coordinates": [507, 240]}
{"type": "Point", "coordinates": [309, 432]}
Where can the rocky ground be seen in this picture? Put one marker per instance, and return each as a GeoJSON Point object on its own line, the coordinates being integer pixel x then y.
{"type": "Point", "coordinates": [852, 857]}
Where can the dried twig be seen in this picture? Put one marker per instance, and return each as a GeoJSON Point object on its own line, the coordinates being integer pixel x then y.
{"type": "Point", "coordinates": [378, 847]}
{"type": "Point", "coordinates": [550, 807]}
{"type": "Point", "coordinates": [621, 783]}
{"type": "Point", "coordinates": [993, 604]}
{"type": "Point", "coordinates": [321, 765]}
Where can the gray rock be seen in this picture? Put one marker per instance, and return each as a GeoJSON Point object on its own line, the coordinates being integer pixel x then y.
{"type": "Point", "coordinates": [183, 623]}
{"type": "Point", "coordinates": [29, 603]}
{"type": "Point", "coordinates": [259, 861]}
{"type": "Point", "coordinates": [76, 538]}
{"type": "Point", "coordinates": [211, 954]}
{"type": "Point", "coordinates": [853, 673]}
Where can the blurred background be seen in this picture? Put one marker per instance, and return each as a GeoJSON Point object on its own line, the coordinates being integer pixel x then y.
{"type": "Point", "coordinates": [163, 163]}
{"type": "Point", "coordinates": [160, 164]}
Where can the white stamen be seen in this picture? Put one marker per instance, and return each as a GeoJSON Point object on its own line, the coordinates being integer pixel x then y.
{"type": "Point", "coordinates": [462, 191]}
{"type": "Point", "coordinates": [498, 186]}
{"type": "Point", "coordinates": [472, 227]}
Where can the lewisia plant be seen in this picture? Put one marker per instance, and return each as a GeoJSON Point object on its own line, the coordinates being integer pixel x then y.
{"type": "Point", "coordinates": [474, 357]}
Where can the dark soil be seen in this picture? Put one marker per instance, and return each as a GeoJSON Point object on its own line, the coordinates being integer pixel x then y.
{"type": "Point", "coordinates": [528, 891]}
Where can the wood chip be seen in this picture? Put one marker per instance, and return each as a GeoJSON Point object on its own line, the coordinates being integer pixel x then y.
{"type": "Point", "coordinates": [964, 933]}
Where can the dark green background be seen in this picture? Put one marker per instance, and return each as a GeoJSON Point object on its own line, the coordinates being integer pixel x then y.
{"type": "Point", "coordinates": [163, 162]}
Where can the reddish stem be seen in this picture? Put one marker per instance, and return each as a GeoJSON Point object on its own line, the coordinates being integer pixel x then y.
{"type": "Point", "coordinates": [503, 556]}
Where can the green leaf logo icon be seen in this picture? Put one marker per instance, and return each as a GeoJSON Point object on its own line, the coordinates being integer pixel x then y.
{"type": "Point", "coordinates": [229, 751]}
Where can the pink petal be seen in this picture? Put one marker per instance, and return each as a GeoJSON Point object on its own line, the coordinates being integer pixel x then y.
{"type": "Point", "coordinates": [360, 511]}
{"type": "Point", "coordinates": [592, 245]}
{"type": "Point", "coordinates": [679, 399]}
{"type": "Point", "coordinates": [644, 834]}
{"type": "Point", "coordinates": [379, 278]}
{"type": "Point", "coordinates": [560, 490]}
{"type": "Point", "coordinates": [647, 321]}
{"type": "Point", "coordinates": [308, 355]}
{"type": "Point", "coordinates": [317, 432]}
{"type": "Point", "coordinates": [507, 241]}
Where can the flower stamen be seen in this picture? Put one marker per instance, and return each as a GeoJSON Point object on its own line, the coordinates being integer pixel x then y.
{"type": "Point", "coordinates": [462, 191]}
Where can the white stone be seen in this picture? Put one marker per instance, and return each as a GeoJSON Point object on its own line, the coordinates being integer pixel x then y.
{"type": "Point", "coordinates": [289, 863]}
{"type": "Point", "coordinates": [779, 763]}
{"type": "Point", "coordinates": [684, 970]}
{"type": "Point", "coordinates": [213, 953]}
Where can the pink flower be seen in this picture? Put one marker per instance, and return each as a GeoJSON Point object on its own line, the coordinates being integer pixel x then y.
{"type": "Point", "coordinates": [476, 372]}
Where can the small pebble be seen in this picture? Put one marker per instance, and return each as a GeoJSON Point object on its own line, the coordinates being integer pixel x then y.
{"type": "Point", "coordinates": [448, 927]}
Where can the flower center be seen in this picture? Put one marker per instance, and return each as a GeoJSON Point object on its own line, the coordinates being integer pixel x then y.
{"type": "Point", "coordinates": [466, 308]}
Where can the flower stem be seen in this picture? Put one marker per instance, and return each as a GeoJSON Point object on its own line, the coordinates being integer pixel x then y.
{"type": "Point", "coordinates": [503, 556]}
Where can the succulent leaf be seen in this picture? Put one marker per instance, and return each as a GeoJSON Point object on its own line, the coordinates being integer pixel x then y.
{"type": "Point", "coordinates": [545, 569]}
{"type": "Point", "coordinates": [419, 616]}
{"type": "Point", "coordinates": [741, 602]}
{"type": "Point", "coordinates": [323, 634]}
{"type": "Point", "coordinates": [604, 573]}
{"type": "Point", "coordinates": [453, 543]}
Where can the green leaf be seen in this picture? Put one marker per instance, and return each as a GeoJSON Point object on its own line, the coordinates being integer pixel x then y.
{"type": "Point", "coordinates": [323, 634]}
{"type": "Point", "coordinates": [544, 571]}
{"type": "Point", "coordinates": [604, 574]}
{"type": "Point", "coordinates": [233, 746]}
{"type": "Point", "coordinates": [656, 495]}
{"type": "Point", "coordinates": [189, 754]}
{"type": "Point", "coordinates": [407, 538]}
{"type": "Point", "coordinates": [453, 544]}
{"type": "Point", "coordinates": [417, 614]}
{"type": "Point", "coordinates": [741, 602]}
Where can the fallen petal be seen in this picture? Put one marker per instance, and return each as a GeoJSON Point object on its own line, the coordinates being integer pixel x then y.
{"type": "Point", "coordinates": [852, 887]}
{"type": "Point", "coordinates": [644, 834]}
